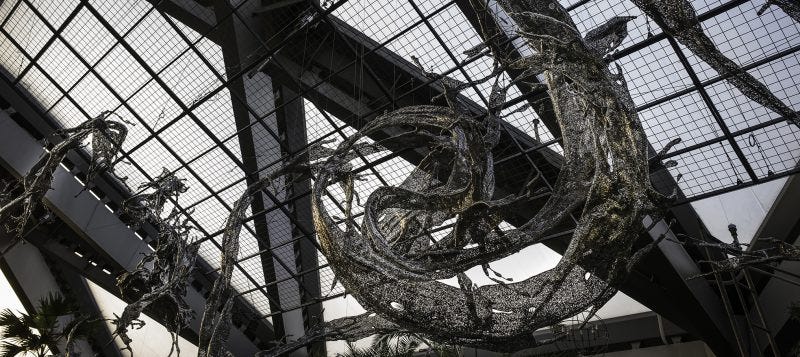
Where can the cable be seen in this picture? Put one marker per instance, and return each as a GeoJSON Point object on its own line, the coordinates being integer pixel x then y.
{"type": "Point", "coordinates": [661, 329]}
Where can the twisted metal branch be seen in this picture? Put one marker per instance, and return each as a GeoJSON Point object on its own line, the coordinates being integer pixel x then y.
{"type": "Point", "coordinates": [17, 211]}
{"type": "Point", "coordinates": [160, 279]}
{"type": "Point", "coordinates": [391, 266]}
{"type": "Point", "coordinates": [678, 19]}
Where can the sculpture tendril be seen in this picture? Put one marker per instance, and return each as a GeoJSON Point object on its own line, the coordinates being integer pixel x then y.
{"type": "Point", "coordinates": [392, 267]}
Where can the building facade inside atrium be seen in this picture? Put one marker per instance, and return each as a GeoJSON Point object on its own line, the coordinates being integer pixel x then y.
{"type": "Point", "coordinates": [399, 178]}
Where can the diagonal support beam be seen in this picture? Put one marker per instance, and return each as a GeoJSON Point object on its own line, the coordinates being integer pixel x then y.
{"type": "Point", "coordinates": [252, 97]}
{"type": "Point", "coordinates": [99, 229]}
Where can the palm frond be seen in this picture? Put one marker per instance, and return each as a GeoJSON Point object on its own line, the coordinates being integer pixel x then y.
{"type": "Point", "coordinates": [354, 351]}
{"type": "Point", "coordinates": [8, 349]}
{"type": "Point", "coordinates": [14, 327]}
{"type": "Point", "coordinates": [55, 305]}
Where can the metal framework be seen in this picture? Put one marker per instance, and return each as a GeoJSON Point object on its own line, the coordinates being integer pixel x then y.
{"type": "Point", "coordinates": [307, 72]}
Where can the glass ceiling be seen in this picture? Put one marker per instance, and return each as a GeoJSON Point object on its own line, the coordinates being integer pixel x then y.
{"type": "Point", "coordinates": [78, 59]}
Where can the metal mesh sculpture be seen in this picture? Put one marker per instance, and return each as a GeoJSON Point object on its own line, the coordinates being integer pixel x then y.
{"type": "Point", "coordinates": [160, 279]}
{"type": "Point", "coordinates": [106, 145]}
{"type": "Point", "coordinates": [107, 136]}
{"type": "Point", "coordinates": [391, 266]}
{"type": "Point", "coordinates": [738, 256]}
{"type": "Point", "coordinates": [678, 19]}
{"type": "Point", "coordinates": [790, 7]}
{"type": "Point", "coordinates": [215, 326]}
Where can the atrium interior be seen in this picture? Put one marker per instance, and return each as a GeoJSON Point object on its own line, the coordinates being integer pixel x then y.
{"type": "Point", "coordinates": [399, 178]}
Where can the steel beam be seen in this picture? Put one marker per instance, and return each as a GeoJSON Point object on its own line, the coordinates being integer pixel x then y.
{"type": "Point", "coordinates": [227, 29]}
{"type": "Point", "coordinates": [292, 126]}
{"type": "Point", "coordinates": [331, 83]}
{"type": "Point", "coordinates": [74, 285]}
{"type": "Point", "coordinates": [775, 295]}
{"type": "Point", "coordinates": [253, 97]}
{"type": "Point", "coordinates": [32, 279]}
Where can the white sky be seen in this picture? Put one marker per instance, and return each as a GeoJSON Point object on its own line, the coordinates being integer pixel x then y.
{"type": "Point", "coordinates": [9, 300]}
{"type": "Point", "coordinates": [652, 73]}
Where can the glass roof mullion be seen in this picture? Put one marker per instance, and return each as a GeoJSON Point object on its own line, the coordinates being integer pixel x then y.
{"type": "Point", "coordinates": [244, 71]}
{"type": "Point", "coordinates": [719, 78]}
{"type": "Point", "coordinates": [714, 112]}
{"type": "Point", "coordinates": [46, 46]}
{"type": "Point", "coordinates": [10, 13]}
{"type": "Point", "coordinates": [117, 96]}
{"type": "Point", "coordinates": [100, 59]}
{"type": "Point", "coordinates": [219, 77]}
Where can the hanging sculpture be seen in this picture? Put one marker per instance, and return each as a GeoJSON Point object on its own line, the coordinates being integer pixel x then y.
{"type": "Point", "coordinates": [738, 256]}
{"type": "Point", "coordinates": [107, 136]}
{"type": "Point", "coordinates": [106, 145]}
{"type": "Point", "coordinates": [159, 281]}
{"type": "Point", "coordinates": [215, 325]}
{"type": "Point", "coordinates": [391, 266]}
{"type": "Point", "coordinates": [146, 204]}
{"type": "Point", "coordinates": [678, 19]}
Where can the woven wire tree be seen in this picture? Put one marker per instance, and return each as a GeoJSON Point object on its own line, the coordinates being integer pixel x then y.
{"type": "Point", "coordinates": [20, 200]}
{"type": "Point", "coordinates": [160, 279]}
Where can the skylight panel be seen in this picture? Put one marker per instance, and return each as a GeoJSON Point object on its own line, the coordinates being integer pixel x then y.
{"type": "Point", "coordinates": [212, 214]}
{"type": "Point", "coordinates": [378, 20]}
{"type": "Point", "coordinates": [745, 37]}
{"type": "Point", "coordinates": [773, 149]}
{"type": "Point", "coordinates": [41, 87]}
{"type": "Point", "coordinates": [154, 106]}
{"type": "Point", "coordinates": [122, 15]}
{"type": "Point", "coordinates": [27, 30]}
{"type": "Point", "coordinates": [93, 96]}
{"type": "Point", "coordinates": [61, 64]}
{"type": "Point", "coordinates": [685, 117]}
{"type": "Point", "coordinates": [705, 5]}
{"type": "Point", "coordinates": [218, 171]}
{"type": "Point", "coordinates": [13, 60]}
{"type": "Point", "coordinates": [56, 12]}
{"type": "Point", "coordinates": [122, 72]}
{"type": "Point", "coordinates": [654, 72]}
{"type": "Point", "coordinates": [739, 112]}
{"type": "Point", "coordinates": [194, 141]}
{"type": "Point", "coordinates": [707, 168]}
{"type": "Point", "coordinates": [595, 13]}
{"type": "Point", "coordinates": [88, 36]}
{"type": "Point", "coordinates": [189, 78]}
